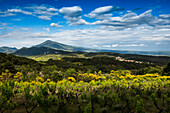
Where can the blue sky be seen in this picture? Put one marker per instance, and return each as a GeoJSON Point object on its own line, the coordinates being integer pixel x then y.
{"type": "Point", "coordinates": [141, 25]}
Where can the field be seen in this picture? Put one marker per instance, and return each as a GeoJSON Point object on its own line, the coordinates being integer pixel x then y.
{"type": "Point", "coordinates": [158, 60]}
{"type": "Point", "coordinates": [82, 85]}
{"type": "Point", "coordinates": [116, 92]}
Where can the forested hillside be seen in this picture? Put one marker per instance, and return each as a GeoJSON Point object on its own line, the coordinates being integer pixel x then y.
{"type": "Point", "coordinates": [105, 64]}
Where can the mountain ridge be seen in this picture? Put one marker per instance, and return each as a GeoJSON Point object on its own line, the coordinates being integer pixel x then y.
{"type": "Point", "coordinates": [38, 51]}
{"type": "Point", "coordinates": [68, 48]}
{"type": "Point", "coordinates": [60, 46]}
{"type": "Point", "coordinates": [6, 49]}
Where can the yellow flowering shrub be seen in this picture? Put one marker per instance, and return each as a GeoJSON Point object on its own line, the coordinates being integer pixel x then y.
{"type": "Point", "coordinates": [40, 79]}
{"type": "Point", "coordinates": [48, 80]}
{"type": "Point", "coordinates": [18, 76]}
{"type": "Point", "coordinates": [6, 75]}
{"type": "Point", "coordinates": [72, 79]}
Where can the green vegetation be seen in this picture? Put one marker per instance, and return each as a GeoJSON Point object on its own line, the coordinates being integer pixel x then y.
{"type": "Point", "coordinates": [82, 85]}
{"type": "Point", "coordinates": [157, 60]}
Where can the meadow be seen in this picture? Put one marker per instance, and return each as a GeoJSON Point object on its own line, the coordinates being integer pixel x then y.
{"type": "Point", "coordinates": [118, 91]}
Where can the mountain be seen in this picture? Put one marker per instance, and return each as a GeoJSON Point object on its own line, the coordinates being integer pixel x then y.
{"type": "Point", "coordinates": [154, 53]}
{"type": "Point", "coordinates": [59, 46]}
{"type": "Point", "coordinates": [38, 51]}
{"type": "Point", "coordinates": [6, 49]}
{"type": "Point", "coordinates": [51, 47]}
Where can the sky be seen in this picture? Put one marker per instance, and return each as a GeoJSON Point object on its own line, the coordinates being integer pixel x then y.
{"type": "Point", "coordinates": [138, 25]}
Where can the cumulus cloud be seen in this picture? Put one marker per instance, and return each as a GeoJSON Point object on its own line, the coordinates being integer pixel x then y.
{"type": "Point", "coordinates": [132, 38]}
{"type": "Point", "coordinates": [44, 12]}
{"type": "Point", "coordinates": [55, 25]}
{"type": "Point", "coordinates": [128, 30]}
{"type": "Point", "coordinates": [79, 22]}
{"type": "Point", "coordinates": [131, 19]}
{"type": "Point", "coordinates": [19, 11]}
{"type": "Point", "coordinates": [165, 16]}
{"type": "Point", "coordinates": [52, 9]}
{"type": "Point", "coordinates": [103, 12]}
{"type": "Point", "coordinates": [12, 12]}
{"type": "Point", "coordinates": [74, 11]}
{"type": "Point", "coordinates": [6, 14]}
{"type": "Point", "coordinates": [44, 17]}
{"type": "Point", "coordinates": [73, 15]}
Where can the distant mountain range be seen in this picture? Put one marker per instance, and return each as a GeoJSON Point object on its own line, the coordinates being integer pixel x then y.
{"type": "Point", "coordinates": [38, 51]}
{"type": "Point", "coordinates": [52, 47]}
{"type": "Point", "coordinates": [154, 53]}
{"type": "Point", "coordinates": [5, 49]}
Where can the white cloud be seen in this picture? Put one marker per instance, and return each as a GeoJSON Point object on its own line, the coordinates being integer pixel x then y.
{"type": "Point", "coordinates": [118, 45]}
{"type": "Point", "coordinates": [43, 9]}
{"type": "Point", "coordinates": [79, 22]}
{"type": "Point", "coordinates": [115, 45]}
{"type": "Point", "coordinates": [74, 11]}
{"type": "Point", "coordinates": [165, 16]}
{"type": "Point", "coordinates": [44, 12]}
{"type": "Point", "coordinates": [19, 11]}
{"type": "Point", "coordinates": [18, 19]}
{"type": "Point", "coordinates": [103, 12]}
{"type": "Point", "coordinates": [122, 39]}
{"type": "Point", "coordinates": [131, 19]}
{"type": "Point", "coordinates": [106, 46]}
{"type": "Point", "coordinates": [95, 46]}
{"type": "Point", "coordinates": [52, 9]}
{"type": "Point", "coordinates": [157, 43]}
{"type": "Point", "coordinates": [44, 17]}
{"type": "Point", "coordinates": [6, 14]}
{"type": "Point", "coordinates": [3, 24]}
{"type": "Point", "coordinates": [55, 25]}
{"type": "Point", "coordinates": [12, 12]}
{"type": "Point", "coordinates": [22, 38]}
{"type": "Point", "coordinates": [73, 15]}
{"type": "Point", "coordinates": [132, 45]}
{"type": "Point", "coordinates": [24, 28]}
{"type": "Point", "coordinates": [47, 29]}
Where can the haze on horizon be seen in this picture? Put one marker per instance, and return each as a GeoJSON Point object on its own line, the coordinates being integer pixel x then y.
{"type": "Point", "coordinates": [140, 25]}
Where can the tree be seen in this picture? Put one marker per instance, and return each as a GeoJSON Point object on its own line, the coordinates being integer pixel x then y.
{"type": "Point", "coordinates": [166, 70]}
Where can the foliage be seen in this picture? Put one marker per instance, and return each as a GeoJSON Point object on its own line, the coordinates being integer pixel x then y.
{"type": "Point", "coordinates": [81, 86]}
{"type": "Point", "coordinates": [166, 70]}
{"type": "Point", "coordinates": [88, 93]}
